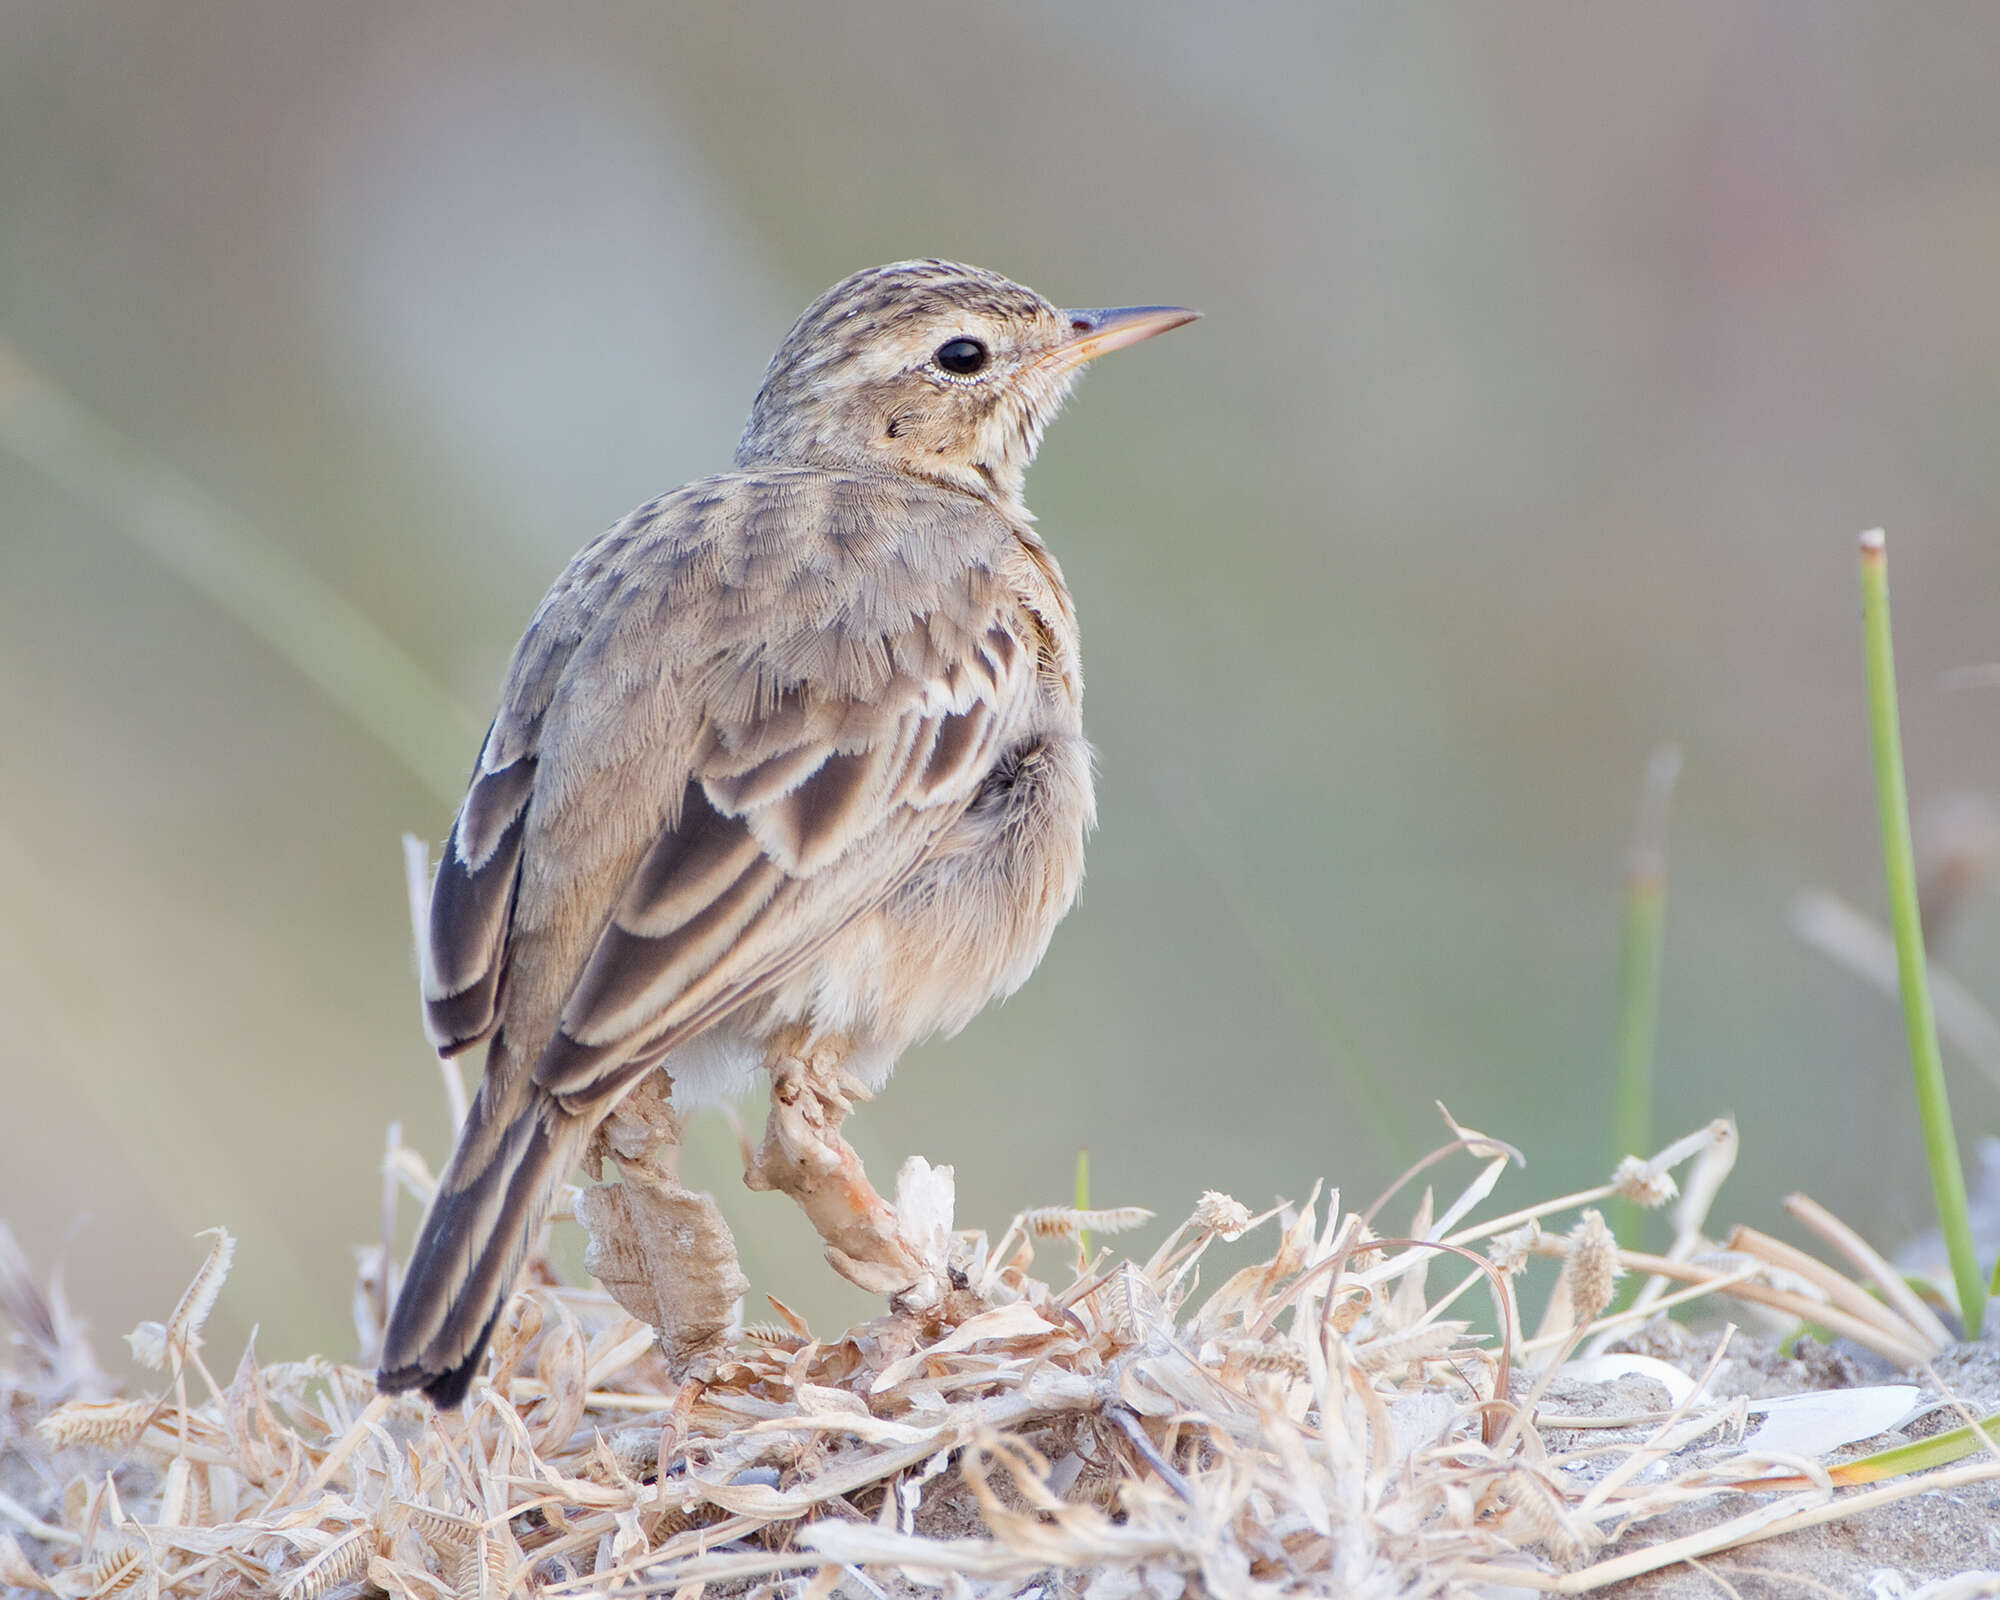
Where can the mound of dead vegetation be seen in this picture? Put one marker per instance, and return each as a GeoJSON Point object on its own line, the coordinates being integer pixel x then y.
{"type": "Point", "coordinates": [1321, 1421]}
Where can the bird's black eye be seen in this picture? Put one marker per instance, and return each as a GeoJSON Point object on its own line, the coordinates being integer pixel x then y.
{"type": "Point", "coordinates": [961, 357]}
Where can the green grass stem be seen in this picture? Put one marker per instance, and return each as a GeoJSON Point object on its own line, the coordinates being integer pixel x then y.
{"type": "Point", "coordinates": [1639, 966]}
{"type": "Point", "coordinates": [1905, 921]}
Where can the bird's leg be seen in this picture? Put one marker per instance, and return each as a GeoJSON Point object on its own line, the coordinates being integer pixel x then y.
{"type": "Point", "coordinates": [662, 1251]}
{"type": "Point", "coordinates": [803, 1155]}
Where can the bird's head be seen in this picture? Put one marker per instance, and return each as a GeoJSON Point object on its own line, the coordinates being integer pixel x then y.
{"type": "Point", "coordinates": [944, 371]}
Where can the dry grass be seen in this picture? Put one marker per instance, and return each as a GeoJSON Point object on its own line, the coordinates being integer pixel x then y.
{"type": "Point", "coordinates": [1316, 1424]}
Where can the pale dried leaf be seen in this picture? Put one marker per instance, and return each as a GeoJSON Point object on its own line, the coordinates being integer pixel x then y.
{"type": "Point", "coordinates": [1815, 1424]}
{"type": "Point", "coordinates": [16, 1570]}
{"type": "Point", "coordinates": [665, 1254]}
{"type": "Point", "coordinates": [1479, 1145]}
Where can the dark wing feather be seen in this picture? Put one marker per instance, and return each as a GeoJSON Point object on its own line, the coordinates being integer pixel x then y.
{"type": "Point", "coordinates": [474, 895]}
{"type": "Point", "coordinates": [471, 903]}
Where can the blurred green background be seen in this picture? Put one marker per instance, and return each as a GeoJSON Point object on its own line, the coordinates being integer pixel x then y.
{"type": "Point", "coordinates": [1554, 356]}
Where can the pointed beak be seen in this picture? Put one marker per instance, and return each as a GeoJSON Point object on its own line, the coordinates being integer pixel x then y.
{"type": "Point", "coordinates": [1097, 333]}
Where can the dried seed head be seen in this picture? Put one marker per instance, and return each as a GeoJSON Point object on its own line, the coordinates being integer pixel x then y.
{"type": "Point", "coordinates": [1221, 1215]}
{"type": "Point", "coordinates": [1593, 1266]}
{"type": "Point", "coordinates": [776, 1336]}
{"type": "Point", "coordinates": [1123, 1309]}
{"type": "Point", "coordinates": [1427, 1343]}
{"type": "Point", "coordinates": [1643, 1183]}
{"type": "Point", "coordinates": [1065, 1222]}
{"type": "Point", "coordinates": [1510, 1251]}
{"type": "Point", "coordinates": [468, 1570]}
{"type": "Point", "coordinates": [183, 1331]}
{"type": "Point", "coordinates": [1255, 1355]}
{"type": "Point", "coordinates": [112, 1424]}
{"type": "Point", "coordinates": [437, 1527]}
{"type": "Point", "coordinates": [347, 1557]}
{"type": "Point", "coordinates": [149, 1345]}
{"type": "Point", "coordinates": [1537, 1516]}
{"type": "Point", "coordinates": [116, 1573]}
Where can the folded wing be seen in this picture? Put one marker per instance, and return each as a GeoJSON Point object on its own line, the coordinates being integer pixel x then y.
{"type": "Point", "coordinates": [841, 694]}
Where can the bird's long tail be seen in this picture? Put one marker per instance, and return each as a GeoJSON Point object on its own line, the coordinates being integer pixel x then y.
{"type": "Point", "coordinates": [492, 1198]}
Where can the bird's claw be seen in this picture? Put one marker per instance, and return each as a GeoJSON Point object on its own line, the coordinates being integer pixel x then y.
{"type": "Point", "coordinates": [803, 1155]}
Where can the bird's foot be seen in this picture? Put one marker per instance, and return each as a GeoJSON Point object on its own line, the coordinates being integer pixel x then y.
{"type": "Point", "coordinates": [662, 1251]}
{"type": "Point", "coordinates": [803, 1155]}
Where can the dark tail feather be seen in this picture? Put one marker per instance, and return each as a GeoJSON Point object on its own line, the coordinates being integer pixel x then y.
{"type": "Point", "coordinates": [492, 1198]}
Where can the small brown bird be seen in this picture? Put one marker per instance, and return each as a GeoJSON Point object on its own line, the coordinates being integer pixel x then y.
{"type": "Point", "coordinates": [788, 774]}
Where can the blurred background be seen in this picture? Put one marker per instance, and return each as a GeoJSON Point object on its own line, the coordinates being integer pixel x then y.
{"type": "Point", "coordinates": [1553, 359]}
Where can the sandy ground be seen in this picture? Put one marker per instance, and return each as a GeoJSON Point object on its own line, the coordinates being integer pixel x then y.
{"type": "Point", "coordinates": [1912, 1547]}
